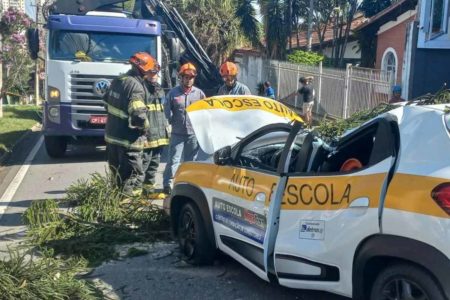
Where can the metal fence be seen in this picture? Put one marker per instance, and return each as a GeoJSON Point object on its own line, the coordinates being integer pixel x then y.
{"type": "Point", "coordinates": [339, 92]}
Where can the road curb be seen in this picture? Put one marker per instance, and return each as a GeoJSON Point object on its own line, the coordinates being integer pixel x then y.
{"type": "Point", "coordinates": [35, 128]}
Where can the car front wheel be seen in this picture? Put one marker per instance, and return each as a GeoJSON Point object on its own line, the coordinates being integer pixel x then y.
{"type": "Point", "coordinates": [405, 282]}
{"type": "Point", "coordinates": [193, 240]}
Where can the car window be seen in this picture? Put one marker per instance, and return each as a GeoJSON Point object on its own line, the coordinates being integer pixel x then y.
{"type": "Point", "coordinates": [362, 148]}
{"type": "Point", "coordinates": [263, 152]}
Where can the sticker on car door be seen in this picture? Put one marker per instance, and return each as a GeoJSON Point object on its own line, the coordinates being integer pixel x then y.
{"type": "Point", "coordinates": [312, 230]}
{"type": "Point", "coordinates": [239, 219]}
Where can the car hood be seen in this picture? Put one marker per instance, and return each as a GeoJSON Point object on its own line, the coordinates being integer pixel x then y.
{"type": "Point", "coordinates": [223, 120]}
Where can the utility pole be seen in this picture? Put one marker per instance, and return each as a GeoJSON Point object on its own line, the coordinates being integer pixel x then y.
{"type": "Point", "coordinates": [36, 67]}
{"type": "Point", "coordinates": [310, 24]}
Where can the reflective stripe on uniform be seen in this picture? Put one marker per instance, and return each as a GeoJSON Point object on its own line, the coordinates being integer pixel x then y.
{"type": "Point", "coordinates": [117, 112]}
{"type": "Point", "coordinates": [135, 104]}
{"type": "Point", "coordinates": [123, 143]}
{"type": "Point", "coordinates": [155, 107]}
{"type": "Point", "coordinates": [157, 143]}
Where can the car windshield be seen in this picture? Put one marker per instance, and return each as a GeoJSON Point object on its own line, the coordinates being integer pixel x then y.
{"type": "Point", "coordinates": [98, 46]}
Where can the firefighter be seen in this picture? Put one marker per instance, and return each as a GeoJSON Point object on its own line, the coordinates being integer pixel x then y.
{"type": "Point", "coordinates": [183, 140]}
{"type": "Point", "coordinates": [157, 134]}
{"type": "Point", "coordinates": [231, 86]}
{"type": "Point", "coordinates": [125, 132]}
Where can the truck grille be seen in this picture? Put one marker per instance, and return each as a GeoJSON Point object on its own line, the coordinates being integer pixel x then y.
{"type": "Point", "coordinates": [84, 101]}
{"type": "Point", "coordinates": [82, 89]}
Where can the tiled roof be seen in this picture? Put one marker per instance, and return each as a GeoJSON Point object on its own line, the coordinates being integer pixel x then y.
{"type": "Point", "coordinates": [303, 39]}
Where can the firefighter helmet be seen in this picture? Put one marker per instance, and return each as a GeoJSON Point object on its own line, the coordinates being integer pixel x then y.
{"type": "Point", "coordinates": [228, 68]}
{"type": "Point", "coordinates": [188, 69]}
{"type": "Point", "coordinates": [145, 62]}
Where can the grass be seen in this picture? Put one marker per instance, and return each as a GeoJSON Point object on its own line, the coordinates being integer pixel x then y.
{"type": "Point", "coordinates": [15, 122]}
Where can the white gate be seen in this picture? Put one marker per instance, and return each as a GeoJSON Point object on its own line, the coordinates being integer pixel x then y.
{"type": "Point", "coordinates": [339, 92]}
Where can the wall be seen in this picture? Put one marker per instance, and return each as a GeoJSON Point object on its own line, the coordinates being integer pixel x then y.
{"type": "Point", "coordinates": [393, 35]}
{"type": "Point", "coordinates": [431, 71]}
{"type": "Point", "coordinates": [351, 52]}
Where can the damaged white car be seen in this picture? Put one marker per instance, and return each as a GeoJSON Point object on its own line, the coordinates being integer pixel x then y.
{"type": "Point", "coordinates": [367, 217]}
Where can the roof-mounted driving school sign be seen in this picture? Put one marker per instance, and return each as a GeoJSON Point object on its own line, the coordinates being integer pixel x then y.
{"type": "Point", "coordinates": [220, 121]}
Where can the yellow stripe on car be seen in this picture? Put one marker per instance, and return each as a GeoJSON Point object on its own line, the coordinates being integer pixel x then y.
{"type": "Point", "coordinates": [412, 193]}
{"type": "Point", "coordinates": [231, 103]}
{"type": "Point", "coordinates": [331, 192]}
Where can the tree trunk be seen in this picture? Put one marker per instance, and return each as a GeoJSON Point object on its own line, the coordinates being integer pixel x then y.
{"type": "Point", "coordinates": [347, 30]}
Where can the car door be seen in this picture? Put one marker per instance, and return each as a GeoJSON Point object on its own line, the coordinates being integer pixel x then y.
{"type": "Point", "coordinates": [241, 191]}
{"type": "Point", "coordinates": [326, 212]}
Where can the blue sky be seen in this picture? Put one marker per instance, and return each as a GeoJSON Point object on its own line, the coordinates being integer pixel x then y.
{"type": "Point", "coordinates": [30, 9]}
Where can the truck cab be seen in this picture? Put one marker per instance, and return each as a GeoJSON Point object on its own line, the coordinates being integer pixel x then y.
{"type": "Point", "coordinates": [84, 53]}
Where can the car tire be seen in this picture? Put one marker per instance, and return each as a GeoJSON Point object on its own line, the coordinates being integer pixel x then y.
{"type": "Point", "coordinates": [194, 243]}
{"type": "Point", "coordinates": [55, 145]}
{"type": "Point", "coordinates": [405, 281]}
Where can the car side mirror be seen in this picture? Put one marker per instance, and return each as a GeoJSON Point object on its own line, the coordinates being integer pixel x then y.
{"type": "Point", "coordinates": [222, 156]}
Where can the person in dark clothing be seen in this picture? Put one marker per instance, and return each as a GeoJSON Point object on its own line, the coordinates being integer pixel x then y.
{"type": "Point", "coordinates": [157, 135]}
{"type": "Point", "coordinates": [183, 141]}
{"type": "Point", "coordinates": [307, 95]}
{"type": "Point", "coordinates": [125, 132]}
{"type": "Point", "coordinates": [269, 92]}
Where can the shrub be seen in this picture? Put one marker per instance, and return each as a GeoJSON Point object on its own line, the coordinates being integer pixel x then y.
{"type": "Point", "coordinates": [305, 57]}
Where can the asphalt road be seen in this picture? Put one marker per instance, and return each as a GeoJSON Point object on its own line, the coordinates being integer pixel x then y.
{"type": "Point", "coordinates": [159, 275]}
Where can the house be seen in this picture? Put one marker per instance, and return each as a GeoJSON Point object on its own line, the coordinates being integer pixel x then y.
{"type": "Point", "coordinates": [352, 54]}
{"type": "Point", "coordinates": [411, 39]}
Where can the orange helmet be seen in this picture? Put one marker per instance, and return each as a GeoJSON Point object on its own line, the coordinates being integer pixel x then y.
{"type": "Point", "coordinates": [145, 62]}
{"type": "Point", "coordinates": [228, 68]}
{"type": "Point", "coordinates": [188, 69]}
{"type": "Point", "coordinates": [351, 164]}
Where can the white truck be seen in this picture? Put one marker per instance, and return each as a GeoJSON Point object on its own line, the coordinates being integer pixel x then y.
{"type": "Point", "coordinates": [88, 44]}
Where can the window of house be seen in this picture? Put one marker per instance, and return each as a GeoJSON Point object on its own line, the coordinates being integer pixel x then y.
{"type": "Point", "coordinates": [434, 23]}
{"type": "Point", "coordinates": [389, 64]}
{"type": "Point", "coordinates": [437, 17]}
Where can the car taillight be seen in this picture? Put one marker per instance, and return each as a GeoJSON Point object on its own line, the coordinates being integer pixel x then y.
{"type": "Point", "coordinates": [441, 194]}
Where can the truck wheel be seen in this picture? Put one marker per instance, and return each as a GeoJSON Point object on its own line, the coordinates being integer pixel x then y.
{"type": "Point", "coordinates": [55, 145]}
{"type": "Point", "coordinates": [193, 240]}
{"type": "Point", "coordinates": [405, 282]}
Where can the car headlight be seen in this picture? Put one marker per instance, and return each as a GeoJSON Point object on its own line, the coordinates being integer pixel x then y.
{"type": "Point", "coordinates": [53, 94]}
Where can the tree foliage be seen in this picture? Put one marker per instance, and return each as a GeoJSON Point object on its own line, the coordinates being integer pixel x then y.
{"type": "Point", "coordinates": [305, 57]}
{"type": "Point", "coordinates": [17, 64]}
{"type": "Point", "coordinates": [221, 26]}
{"type": "Point", "coordinates": [372, 7]}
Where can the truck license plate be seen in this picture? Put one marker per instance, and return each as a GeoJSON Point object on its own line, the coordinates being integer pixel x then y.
{"type": "Point", "coordinates": [97, 119]}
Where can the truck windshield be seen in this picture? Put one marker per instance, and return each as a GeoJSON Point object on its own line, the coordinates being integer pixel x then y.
{"type": "Point", "coordinates": [98, 46]}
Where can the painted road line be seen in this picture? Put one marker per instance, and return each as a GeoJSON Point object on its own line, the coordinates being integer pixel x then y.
{"type": "Point", "coordinates": [15, 183]}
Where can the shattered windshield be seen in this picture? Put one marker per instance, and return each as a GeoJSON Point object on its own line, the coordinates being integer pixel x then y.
{"type": "Point", "coordinates": [98, 46]}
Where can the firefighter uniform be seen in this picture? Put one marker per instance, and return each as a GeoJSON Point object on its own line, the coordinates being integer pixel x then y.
{"type": "Point", "coordinates": [157, 136]}
{"type": "Point", "coordinates": [125, 130]}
